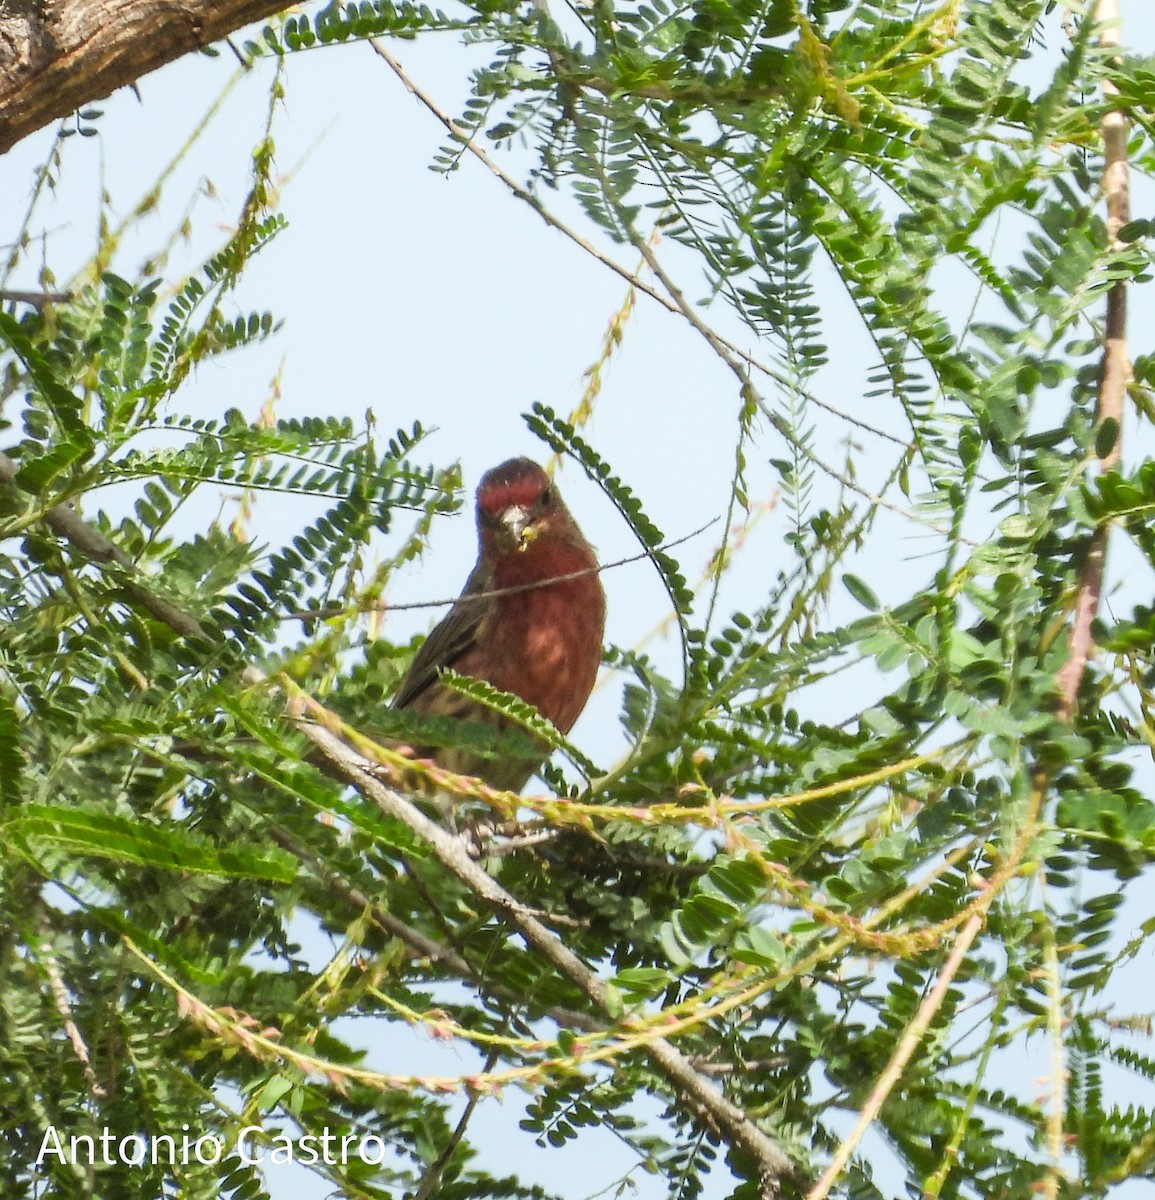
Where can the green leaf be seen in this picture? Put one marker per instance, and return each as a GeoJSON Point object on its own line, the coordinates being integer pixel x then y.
{"type": "Point", "coordinates": [11, 758]}
{"type": "Point", "coordinates": [65, 406]}
{"type": "Point", "coordinates": [40, 827]}
{"type": "Point", "coordinates": [860, 592]}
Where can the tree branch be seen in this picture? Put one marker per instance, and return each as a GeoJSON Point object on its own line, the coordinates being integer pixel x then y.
{"type": "Point", "coordinates": [57, 56]}
{"type": "Point", "coordinates": [696, 1092]}
{"type": "Point", "coordinates": [908, 1043]}
{"type": "Point", "coordinates": [65, 523]}
{"type": "Point", "coordinates": [1115, 373]}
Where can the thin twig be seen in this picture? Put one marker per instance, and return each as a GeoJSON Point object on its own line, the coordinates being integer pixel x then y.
{"type": "Point", "coordinates": [522, 193]}
{"type": "Point", "coordinates": [1056, 1080]}
{"type": "Point", "coordinates": [463, 136]}
{"type": "Point", "coordinates": [735, 361]}
{"type": "Point", "coordinates": [422, 945]}
{"type": "Point", "coordinates": [917, 1029]}
{"type": "Point", "coordinates": [320, 614]}
{"type": "Point", "coordinates": [745, 1067]}
{"type": "Point", "coordinates": [500, 847]}
{"type": "Point", "coordinates": [437, 1167]}
{"type": "Point", "coordinates": [910, 1041]}
{"type": "Point", "coordinates": [848, 483]}
{"type": "Point", "coordinates": [1115, 373]}
{"type": "Point", "coordinates": [35, 299]}
{"type": "Point", "coordinates": [47, 958]}
{"type": "Point", "coordinates": [739, 364]}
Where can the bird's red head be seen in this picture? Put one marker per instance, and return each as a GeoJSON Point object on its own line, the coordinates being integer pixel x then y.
{"type": "Point", "coordinates": [516, 504]}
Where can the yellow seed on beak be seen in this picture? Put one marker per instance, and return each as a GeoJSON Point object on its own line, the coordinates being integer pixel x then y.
{"type": "Point", "coordinates": [516, 521]}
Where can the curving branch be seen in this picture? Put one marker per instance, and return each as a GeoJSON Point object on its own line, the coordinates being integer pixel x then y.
{"type": "Point", "coordinates": [56, 56]}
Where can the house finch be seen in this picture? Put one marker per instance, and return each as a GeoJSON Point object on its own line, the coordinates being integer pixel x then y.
{"type": "Point", "coordinates": [543, 643]}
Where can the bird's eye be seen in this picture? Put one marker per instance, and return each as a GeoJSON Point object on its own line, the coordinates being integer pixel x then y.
{"type": "Point", "coordinates": [547, 497]}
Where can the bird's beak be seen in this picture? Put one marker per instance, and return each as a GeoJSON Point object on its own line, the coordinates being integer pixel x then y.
{"type": "Point", "coordinates": [515, 523]}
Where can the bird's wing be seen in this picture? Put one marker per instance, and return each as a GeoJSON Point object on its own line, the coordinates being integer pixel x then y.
{"type": "Point", "coordinates": [448, 640]}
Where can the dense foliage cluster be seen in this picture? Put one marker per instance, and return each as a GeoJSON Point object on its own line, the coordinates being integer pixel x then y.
{"type": "Point", "coordinates": [774, 894]}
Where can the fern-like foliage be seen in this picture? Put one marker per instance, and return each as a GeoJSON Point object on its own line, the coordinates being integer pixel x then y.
{"type": "Point", "coordinates": [853, 770]}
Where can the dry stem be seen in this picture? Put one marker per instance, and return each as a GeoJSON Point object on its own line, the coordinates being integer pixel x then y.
{"type": "Point", "coordinates": [1116, 372]}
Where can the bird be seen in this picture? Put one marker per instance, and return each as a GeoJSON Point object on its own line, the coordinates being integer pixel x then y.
{"type": "Point", "coordinates": [541, 640]}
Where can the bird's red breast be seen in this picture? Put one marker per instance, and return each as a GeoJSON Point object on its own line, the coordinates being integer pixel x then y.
{"type": "Point", "coordinates": [544, 644]}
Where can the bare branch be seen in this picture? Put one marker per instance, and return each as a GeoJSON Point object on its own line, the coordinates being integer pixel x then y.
{"type": "Point", "coordinates": [908, 1043]}
{"type": "Point", "coordinates": [1115, 373]}
{"type": "Point", "coordinates": [60, 55]}
{"type": "Point", "coordinates": [437, 1167]}
{"type": "Point", "coordinates": [34, 299]}
{"type": "Point", "coordinates": [46, 956]}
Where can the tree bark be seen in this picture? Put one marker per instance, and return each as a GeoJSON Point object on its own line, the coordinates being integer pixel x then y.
{"type": "Point", "coordinates": [57, 56]}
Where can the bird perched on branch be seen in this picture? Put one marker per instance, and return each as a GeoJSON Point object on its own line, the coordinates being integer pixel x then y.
{"type": "Point", "coordinates": [541, 640]}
